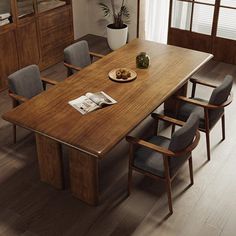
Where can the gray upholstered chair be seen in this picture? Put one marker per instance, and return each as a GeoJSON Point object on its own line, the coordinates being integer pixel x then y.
{"type": "Point", "coordinates": [159, 157]}
{"type": "Point", "coordinates": [25, 84]}
{"type": "Point", "coordinates": [77, 56]}
{"type": "Point", "coordinates": [211, 110]}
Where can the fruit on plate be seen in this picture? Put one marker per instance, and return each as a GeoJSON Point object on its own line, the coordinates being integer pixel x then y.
{"type": "Point", "coordinates": [123, 74]}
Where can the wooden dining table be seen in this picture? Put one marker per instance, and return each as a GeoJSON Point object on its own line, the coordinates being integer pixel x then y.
{"type": "Point", "coordinates": [90, 137]}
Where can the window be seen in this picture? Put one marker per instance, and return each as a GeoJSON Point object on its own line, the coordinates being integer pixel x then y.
{"type": "Point", "coordinates": [202, 18]}
{"type": "Point", "coordinates": [181, 15]}
{"type": "Point", "coordinates": [227, 20]}
{"type": "Point", "coordinates": [191, 15]}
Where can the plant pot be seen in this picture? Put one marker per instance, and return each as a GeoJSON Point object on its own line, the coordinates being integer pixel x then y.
{"type": "Point", "coordinates": [116, 38]}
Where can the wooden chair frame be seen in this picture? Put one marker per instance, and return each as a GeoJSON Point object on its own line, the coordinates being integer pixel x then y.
{"type": "Point", "coordinates": [17, 99]}
{"type": "Point", "coordinates": [77, 68]}
{"type": "Point", "coordinates": [206, 107]}
{"type": "Point", "coordinates": [166, 154]}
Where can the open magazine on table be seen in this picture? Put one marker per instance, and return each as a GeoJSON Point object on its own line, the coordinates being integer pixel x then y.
{"type": "Point", "coordinates": [91, 101]}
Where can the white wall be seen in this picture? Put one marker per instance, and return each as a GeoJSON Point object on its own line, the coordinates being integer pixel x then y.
{"type": "Point", "coordinates": [81, 18]}
{"type": "Point", "coordinates": [89, 19]}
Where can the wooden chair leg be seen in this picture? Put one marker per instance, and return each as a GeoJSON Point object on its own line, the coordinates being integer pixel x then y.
{"type": "Point", "coordinates": [14, 133]}
{"type": "Point", "coordinates": [223, 127]}
{"type": "Point", "coordinates": [208, 145]}
{"type": "Point", "coordinates": [155, 128]}
{"type": "Point", "coordinates": [169, 195]}
{"type": "Point", "coordinates": [130, 180]}
{"type": "Point", "coordinates": [168, 183]}
{"type": "Point", "coordinates": [172, 129]}
{"type": "Point", "coordinates": [44, 85]}
{"type": "Point", "coordinates": [190, 162]}
{"type": "Point", "coordinates": [193, 90]}
{"type": "Point", "coordinates": [14, 104]}
{"type": "Point", "coordinates": [131, 155]}
{"type": "Point", "coordinates": [207, 130]}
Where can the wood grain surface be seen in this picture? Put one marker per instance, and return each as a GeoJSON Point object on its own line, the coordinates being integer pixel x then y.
{"type": "Point", "coordinates": [97, 132]}
{"type": "Point", "coordinates": [84, 177]}
{"type": "Point", "coordinates": [50, 161]}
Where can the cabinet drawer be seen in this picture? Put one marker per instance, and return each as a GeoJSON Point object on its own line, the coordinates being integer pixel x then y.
{"type": "Point", "coordinates": [57, 37]}
{"type": "Point", "coordinates": [52, 56]}
{"type": "Point", "coordinates": [58, 17]}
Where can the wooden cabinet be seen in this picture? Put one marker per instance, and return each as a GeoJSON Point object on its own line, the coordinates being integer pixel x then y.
{"type": "Point", "coordinates": [37, 33]}
{"type": "Point", "coordinates": [9, 58]}
{"type": "Point", "coordinates": [55, 35]}
{"type": "Point", "coordinates": [28, 44]}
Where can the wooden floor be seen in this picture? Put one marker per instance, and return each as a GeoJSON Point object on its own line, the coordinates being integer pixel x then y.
{"type": "Point", "coordinates": [29, 207]}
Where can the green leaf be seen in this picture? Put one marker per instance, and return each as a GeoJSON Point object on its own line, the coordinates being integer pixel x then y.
{"type": "Point", "coordinates": [125, 12]}
{"type": "Point", "coordinates": [105, 8]}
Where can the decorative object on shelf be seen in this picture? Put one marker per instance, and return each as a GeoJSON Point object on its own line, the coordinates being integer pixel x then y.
{"type": "Point", "coordinates": [142, 60]}
{"type": "Point", "coordinates": [117, 32]}
{"type": "Point", "coordinates": [5, 19]}
{"type": "Point", "coordinates": [122, 75]}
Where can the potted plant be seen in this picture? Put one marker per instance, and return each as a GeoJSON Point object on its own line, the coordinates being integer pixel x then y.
{"type": "Point", "coordinates": [117, 32]}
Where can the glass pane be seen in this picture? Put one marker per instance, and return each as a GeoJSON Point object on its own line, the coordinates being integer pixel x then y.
{"type": "Point", "coordinates": [5, 12]}
{"type": "Point", "coordinates": [227, 23]}
{"type": "Point", "coordinates": [25, 7]}
{"type": "Point", "coordinates": [5, 6]}
{"type": "Point", "coordinates": [202, 18]}
{"type": "Point", "coordinates": [181, 15]}
{"type": "Point", "coordinates": [228, 3]}
{"type": "Point", "coordinates": [207, 1]}
{"type": "Point", "coordinates": [45, 5]}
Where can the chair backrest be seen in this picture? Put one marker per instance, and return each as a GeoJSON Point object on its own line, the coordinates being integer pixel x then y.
{"type": "Point", "coordinates": [77, 54]}
{"type": "Point", "coordinates": [220, 94]}
{"type": "Point", "coordinates": [26, 82]}
{"type": "Point", "coordinates": [183, 137]}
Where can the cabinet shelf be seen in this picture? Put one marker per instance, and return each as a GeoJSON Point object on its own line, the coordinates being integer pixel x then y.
{"type": "Point", "coordinates": [5, 14]}
{"type": "Point", "coordinates": [25, 8]}
{"type": "Point", "coordinates": [46, 5]}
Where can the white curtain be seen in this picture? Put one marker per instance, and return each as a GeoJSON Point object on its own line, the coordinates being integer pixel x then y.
{"type": "Point", "coordinates": [155, 18]}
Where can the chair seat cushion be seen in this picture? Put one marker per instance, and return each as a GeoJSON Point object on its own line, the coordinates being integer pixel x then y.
{"type": "Point", "coordinates": [186, 109]}
{"type": "Point", "coordinates": [152, 162]}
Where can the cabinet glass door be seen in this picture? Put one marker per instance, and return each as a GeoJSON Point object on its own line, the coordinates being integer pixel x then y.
{"type": "Point", "coordinates": [5, 12]}
{"type": "Point", "coordinates": [46, 5]}
{"type": "Point", "coordinates": [25, 8]}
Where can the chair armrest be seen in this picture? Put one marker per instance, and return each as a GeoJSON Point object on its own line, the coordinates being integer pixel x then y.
{"type": "Point", "coordinates": [197, 103]}
{"type": "Point", "coordinates": [18, 98]}
{"type": "Point", "coordinates": [202, 82]}
{"type": "Point", "coordinates": [93, 54]}
{"type": "Point", "coordinates": [162, 150]}
{"type": "Point", "coordinates": [72, 67]}
{"type": "Point", "coordinates": [167, 119]}
{"type": "Point", "coordinates": [152, 146]}
{"type": "Point", "coordinates": [49, 81]}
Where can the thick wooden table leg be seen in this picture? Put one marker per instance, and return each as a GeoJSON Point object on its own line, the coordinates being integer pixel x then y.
{"type": "Point", "coordinates": [171, 104]}
{"type": "Point", "coordinates": [50, 161]}
{"type": "Point", "coordinates": [84, 176]}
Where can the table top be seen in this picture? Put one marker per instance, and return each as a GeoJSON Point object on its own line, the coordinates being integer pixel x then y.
{"type": "Point", "coordinates": [97, 132]}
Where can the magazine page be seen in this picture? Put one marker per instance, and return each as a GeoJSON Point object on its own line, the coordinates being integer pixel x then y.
{"type": "Point", "coordinates": [84, 105]}
{"type": "Point", "coordinates": [101, 98]}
